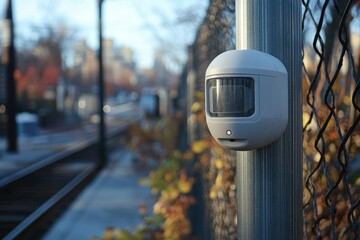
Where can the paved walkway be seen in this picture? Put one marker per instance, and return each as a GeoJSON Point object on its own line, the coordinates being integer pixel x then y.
{"type": "Point", "coordinates": [111, 200]}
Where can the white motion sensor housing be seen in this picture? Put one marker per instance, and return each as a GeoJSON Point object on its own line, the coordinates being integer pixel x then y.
{"type": "Point", "coordinates": [246, 99]}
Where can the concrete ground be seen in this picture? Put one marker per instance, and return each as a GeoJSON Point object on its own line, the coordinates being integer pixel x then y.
{"type": "Point", "coordinates": [111, 200]}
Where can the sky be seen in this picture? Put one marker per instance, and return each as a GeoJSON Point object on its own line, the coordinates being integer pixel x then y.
{"type": "Point", "coordinates": [143, 25]}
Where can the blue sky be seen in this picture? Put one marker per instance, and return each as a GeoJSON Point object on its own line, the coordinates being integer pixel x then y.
{"type": "Point", "coordinates": [143, 25]}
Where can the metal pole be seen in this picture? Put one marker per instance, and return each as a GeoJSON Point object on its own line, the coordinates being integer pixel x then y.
{"type": "Point", "coordinates": [10, 83]}
{"type": "Point", "coordinates": [102, 130]}
{"type": "Point", "coordinates": [269, 180]}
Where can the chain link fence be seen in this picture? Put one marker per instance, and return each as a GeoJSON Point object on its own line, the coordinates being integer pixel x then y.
{"type": "Point", "coordinates": [331, 116]}
{"type": "Point", "coordinates": [214, 216]}
{"type": "Point", "coordinates": [331, 105]}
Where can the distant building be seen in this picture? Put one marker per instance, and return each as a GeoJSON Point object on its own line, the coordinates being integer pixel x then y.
{"type": "Point", "coordinates": [160, 72]}
{"type": "Point", "coordinates": [127, 57]}
{"type": "Point", "coordinates": [108, 51]}
{"type": "Point", "coordinates": [119, 66]}
{"type": "Point", "coordinates": [85, 64]}
{"type": "Point", "coordinates": [146, 78]}
{"type": "Point", "coordinates": [80, 49]}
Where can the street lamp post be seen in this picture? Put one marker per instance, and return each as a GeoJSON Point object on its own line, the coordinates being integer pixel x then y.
{"type": "Point", "coordinates": [102, 130]}
{"type": "Point", "coordinates": [9, 60]}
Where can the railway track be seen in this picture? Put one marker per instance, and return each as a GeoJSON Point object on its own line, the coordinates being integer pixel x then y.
{"type": "Point", "coordinates": [34, 197]}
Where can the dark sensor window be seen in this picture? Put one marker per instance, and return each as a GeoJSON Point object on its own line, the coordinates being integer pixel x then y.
{"type": "Point", "coordinates": [231, 97]}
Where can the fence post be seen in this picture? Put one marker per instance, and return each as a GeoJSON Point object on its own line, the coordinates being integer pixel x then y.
{"type": "Point", "coordinates": [269, 180]}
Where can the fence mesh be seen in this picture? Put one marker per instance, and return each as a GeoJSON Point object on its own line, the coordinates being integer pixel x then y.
{"type": "Point", "coordinates": [331, 116]}
{"type": "Point", "coordinates": [217, 218]}
{"type": "Point", "coordinates": [331, 107]}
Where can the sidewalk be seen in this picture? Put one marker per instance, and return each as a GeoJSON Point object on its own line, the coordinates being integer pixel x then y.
{"type": "Point", "coordinates": [111, 200]}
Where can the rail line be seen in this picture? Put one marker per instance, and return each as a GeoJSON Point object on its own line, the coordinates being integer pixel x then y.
{"type": "Point", "coordinates": [32, 198]}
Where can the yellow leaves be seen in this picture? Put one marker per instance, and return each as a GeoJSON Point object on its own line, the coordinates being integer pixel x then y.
{"type": "Point", "coordinates": [173, 204]}
{"type": "Point", "coordinates": [347, 100]}
{"type": "Point", "coordinates": [196, 107]}
{"type": "Point", "coordinates": [144, 181]}
{"type": "Point", "coordinates": [171, 193]}
{"type": "Point", "coordinates": [168, 181]}
{"type": "Point", "coordinates": [116, 234]}
{"type": "Point", "coordinates": [160, 207]}
{"type": "Point", "coordinates": [177, 185]}
{"type": "Point", "coordinates": [120, 234]}
{"type": "Point", "coordinates": [213, 193]}
{"type": "Point", "coordinates": [174, 212]}
{"type": "Point", "coordinates": [185, 186]}
{"type": "Point", "coordinates": [199, 146]}
{"type": "Point", "coordinates": [219, 164]}
{"type": "Point", "coordinates": [306, 118]}
{"type": "Point", "coordinates": [218, 186]}
{"type": "Point", "coordinates": [177, 226]}
{"type": "Point", "coordinates": [219, 181]}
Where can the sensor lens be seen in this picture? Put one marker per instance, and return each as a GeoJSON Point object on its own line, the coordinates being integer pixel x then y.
{"type": "Point", "coordinates": [231, 97]}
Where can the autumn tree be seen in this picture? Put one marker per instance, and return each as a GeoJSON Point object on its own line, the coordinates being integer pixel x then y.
{"type": "Point", "coordinates": [40, 66]}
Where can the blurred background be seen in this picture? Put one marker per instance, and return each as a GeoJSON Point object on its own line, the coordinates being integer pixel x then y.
{"type": "Point", "coordinates": [130, 110]}
{"type": "Point", "coordinates": [144, 50]}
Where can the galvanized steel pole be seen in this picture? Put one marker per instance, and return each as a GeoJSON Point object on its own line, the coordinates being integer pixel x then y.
{"type": "Point", "coordinates": [269, 180]}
